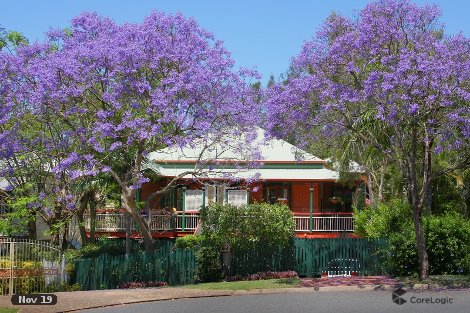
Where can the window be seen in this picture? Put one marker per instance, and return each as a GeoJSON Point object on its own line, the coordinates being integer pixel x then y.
{"type": "Point", "coordinates": [237, 197]}
{"type": "Point", "coordinates": [214, 194]}
{"type": "Point", "coordinates": [193, 199]}
{"type": "Point", "coordinates": [278, 193]}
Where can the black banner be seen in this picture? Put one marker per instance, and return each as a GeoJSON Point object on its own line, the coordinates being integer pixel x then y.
{"type": "Point", "coordinates": [35, 299]}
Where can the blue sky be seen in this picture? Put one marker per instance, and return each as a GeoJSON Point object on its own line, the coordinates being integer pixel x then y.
{"type": "Point", "coordinates": [262, 34]}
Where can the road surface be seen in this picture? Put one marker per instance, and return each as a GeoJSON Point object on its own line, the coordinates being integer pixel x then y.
{"type": "Point", "coordinates": [315, 302]}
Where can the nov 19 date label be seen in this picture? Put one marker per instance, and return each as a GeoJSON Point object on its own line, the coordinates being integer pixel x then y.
{"type": "Point", "coordinates": [35, 299]}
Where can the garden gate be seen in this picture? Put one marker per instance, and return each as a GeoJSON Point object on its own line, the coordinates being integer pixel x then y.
{"type": "Point", "coordinates": [29, 266]}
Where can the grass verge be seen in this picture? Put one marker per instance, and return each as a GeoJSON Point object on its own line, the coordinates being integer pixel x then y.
{"type": "Point", "coordinates": [8, 310]}
{"type": "Point", "coordinates": [248, 284]}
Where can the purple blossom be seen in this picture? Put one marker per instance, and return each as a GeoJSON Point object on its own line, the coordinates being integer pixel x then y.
{"type": "Point", "coordinates": [423, 79]}
{"type": "Point", "coordinates": [41, 196]}
{"type": "Point", "coordinates": [116, 92]}
{"type": "Point", "coordinates": [115, 145]}
{"type": "Point", "coordinates": [413, 108]}
{"type": "Point", "coordinates": [70, 206]}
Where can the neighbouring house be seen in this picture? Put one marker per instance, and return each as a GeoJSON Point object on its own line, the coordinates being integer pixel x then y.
{"type": "Point", "coordinates": [282, 173]}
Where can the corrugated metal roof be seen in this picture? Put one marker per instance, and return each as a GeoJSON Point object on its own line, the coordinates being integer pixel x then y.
{"type": "Point", "coordinates": [258, 173]}
{"type": "Point", "coordinates": [270, 150]}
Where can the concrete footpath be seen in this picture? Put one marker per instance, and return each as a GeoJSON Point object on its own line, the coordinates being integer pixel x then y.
{"type": "Point", "coordinates": [80, 300]}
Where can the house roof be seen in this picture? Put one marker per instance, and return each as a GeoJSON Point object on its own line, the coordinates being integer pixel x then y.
{"type": "Point", "coordinates": [270, 150]}
{"type": "Point", "coordinates": [277, 160]}
{"type": "Point", "coordinates": [279, 174]}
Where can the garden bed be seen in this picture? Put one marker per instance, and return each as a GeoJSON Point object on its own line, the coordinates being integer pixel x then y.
{"type": "Point", "coordinates": [438, 282]}
{"type": "Point", "coordinates": [349, 281]}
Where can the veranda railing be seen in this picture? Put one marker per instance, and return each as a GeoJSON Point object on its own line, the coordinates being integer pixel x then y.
{"type": "Point", "coordinates": [317, 222]}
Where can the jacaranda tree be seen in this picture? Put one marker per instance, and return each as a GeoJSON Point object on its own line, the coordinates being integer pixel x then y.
{"type": "Point", "coordinates": [32, 147]}
{"type": "Point", "coordinates": [390, 79]}
{"type": "Point", "coordinates": [121, 91]}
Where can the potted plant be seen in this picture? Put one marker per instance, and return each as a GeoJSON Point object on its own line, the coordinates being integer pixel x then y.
{"type": "Point", "coordinates": [335, 200]}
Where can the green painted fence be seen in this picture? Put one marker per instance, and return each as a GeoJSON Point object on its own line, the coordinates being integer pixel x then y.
{"type": "Point", "coordinates": [311, 257]}
{"type": "Point", "coordinates": [314, 256]}
{"type": "Point", "coordinates": [254, 260]}
{"type": "Point", "coordinates": [174, 266]}
{"type": "Point", "coordinates": [308, 257]}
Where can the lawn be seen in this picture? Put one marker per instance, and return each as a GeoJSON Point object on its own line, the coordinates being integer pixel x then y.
{"type": "Point", "coordinates": [248, 284]}
{"type": "Point", "coordinates": [8, 310]}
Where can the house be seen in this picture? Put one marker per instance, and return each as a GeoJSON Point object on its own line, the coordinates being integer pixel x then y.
{"type": "Point", "coordinates": [281, 173]}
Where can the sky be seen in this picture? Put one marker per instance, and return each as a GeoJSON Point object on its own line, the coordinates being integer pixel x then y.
{"type": "Point", "coordinates": [260, 34]}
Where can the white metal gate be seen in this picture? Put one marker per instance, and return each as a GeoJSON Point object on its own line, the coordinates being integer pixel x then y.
{"type": "Point", "coordinates": [28, 266]}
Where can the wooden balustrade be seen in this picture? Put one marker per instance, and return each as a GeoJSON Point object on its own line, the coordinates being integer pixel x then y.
{"type": "Point", "coordinates": [321, 222]}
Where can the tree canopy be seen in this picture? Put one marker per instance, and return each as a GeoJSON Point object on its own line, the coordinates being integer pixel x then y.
{"type": "Point", "coordinates": [106, 94]}
{"type": "Point", "coordinates": [390, 80]}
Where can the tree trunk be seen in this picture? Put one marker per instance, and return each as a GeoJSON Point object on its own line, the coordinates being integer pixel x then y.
{"type": "Point", "coordinates": [130, 205]}
{"type": "Point", "coordinates": [128, 233]}
{"type": "Point", "coordinates": [81, 221]}
{"type": "Point", "coordinates": [370, 188]}
{"type": "Point", "coordinates": [64, 240]}
{"type": "Point", "coordinates": [421, 243]}
{"type": "Point", "coordinates": [92, 219]}
{"type": "Point", "coordinates": [427, 178]}
{"type": "Point", "coordinates": [32, 231]}
{"type": "Point", "coordinates": [55, 236]}
{"type": "Point", "coordinates": [380, 196]}
{"type": "Point", "coordinates": [417, 208]}
{"type": "Point", "coordinates": [52, 224]}
{"type": "Point", "coordinates": [81, 228]}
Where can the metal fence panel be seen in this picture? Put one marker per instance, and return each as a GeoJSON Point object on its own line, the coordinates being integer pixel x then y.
{"type": "Point", "coordinates": [28, 266]}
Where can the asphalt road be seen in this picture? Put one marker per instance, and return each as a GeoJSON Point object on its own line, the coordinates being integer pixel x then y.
{"type": "Point", "coordinates": [316, 302]}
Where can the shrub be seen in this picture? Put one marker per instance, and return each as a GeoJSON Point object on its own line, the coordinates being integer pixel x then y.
{"type": "Point", "coordinates": [191, 242]}
{"type": "Point", "coordinates": [264, 276]}
{"type": "Point", "coordinates": [148, 284]}
{"type": "Point", "coordinates": [111, 247]}
{"type": "Point", "coordinates": [447, 239]}
{"type": "Point", "coordinates": [208, 262]}
{"type": "Point", "coordinates": [29, 276]}
{"type": "Point", "coordinates": [88, 251]}
{"type": "Point", "coordinates": [57, 287]}
{"type": "Point", "coordinates": [258, 226]}
{"type": "Point", "coordinates": [258, 223]}
{"type": "Point", "coordinates": [101, 246]}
